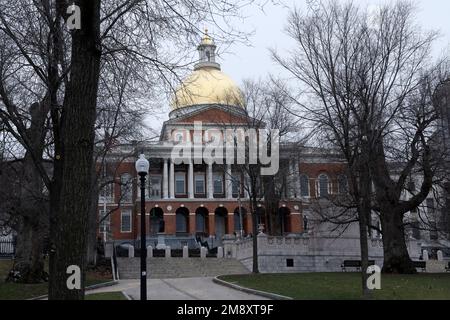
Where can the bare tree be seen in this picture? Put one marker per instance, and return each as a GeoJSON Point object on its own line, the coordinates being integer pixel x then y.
{"type": "Point", "coordinates": [264, 106]}
{"type": "Point", "coordinates": [360, 71]}
{"type": "Point", "coordinates": [60, 69]}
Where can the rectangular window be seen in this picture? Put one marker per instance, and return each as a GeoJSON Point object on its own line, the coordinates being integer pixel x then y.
{"type": "Point", "coordinates": [304, 186]}
{"type": "Point", "coordinates": [236, 184]}
{"type": "Point", "coordinates": [155, 187]}
{"type": "Point", "coordinates": [126, 187]}
{"type": "Point", "coordinates": [107, 191]}
{"type": "Point", "coordinates": [199, 183]}
{"type": "Point", "coordinates": [218, 183]}
{"type": "Point", "coordinates": [290, 263]}
{"type": "Point", "coordinates": [125, 221]}
{"type": "Point", "coordinates": [104, 226]}
{"type": "Point", "coordinates": [180, 183]}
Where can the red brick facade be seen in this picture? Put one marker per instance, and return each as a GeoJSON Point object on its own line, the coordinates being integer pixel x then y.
{"type": "Point", "coordinates": [169, 207]}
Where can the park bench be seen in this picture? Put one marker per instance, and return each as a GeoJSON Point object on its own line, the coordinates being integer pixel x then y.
{"type": "Point", "coordinates": [354, 264]}
{"type": "Point", "coordinates": [420, 265]}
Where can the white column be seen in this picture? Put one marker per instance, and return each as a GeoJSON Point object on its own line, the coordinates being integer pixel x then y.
{"type": "Point", "coordinates": [165, 180]}
{"type": "Point", "coordinates": [172, 180]}
{"type": "Point", "coordinates": [191, 180]}
{"type": "Point", "coordinates": [229, 183]}
{"type": "Point", "coordinates": [210, 182]}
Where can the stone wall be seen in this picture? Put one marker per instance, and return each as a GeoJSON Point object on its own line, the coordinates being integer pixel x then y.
{"type": "Point", "coordinates": [306, 253]}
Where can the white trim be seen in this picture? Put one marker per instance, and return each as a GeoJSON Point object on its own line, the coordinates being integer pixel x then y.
{"type": "Point", "coordinates": [122, 212]}
{"type": "Point", "coordinates": [203, 175]}
{"type": "Point", "coordinates": [180, 174]}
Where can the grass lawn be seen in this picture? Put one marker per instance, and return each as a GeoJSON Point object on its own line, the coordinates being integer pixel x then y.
{"type": "Point", "coordinates": [106, 296]}
{"type": "Point", "coordinates": [18, 291]}
{"type": "Point", "coordinates": [347, 286]}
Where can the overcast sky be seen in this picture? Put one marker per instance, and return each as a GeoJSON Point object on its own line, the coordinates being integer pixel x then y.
{"type": "Point", "coordinates": [243, 61]}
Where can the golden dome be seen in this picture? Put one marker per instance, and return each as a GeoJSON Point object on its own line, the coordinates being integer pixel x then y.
{"type": "Point", "coordinates": [207, 85]}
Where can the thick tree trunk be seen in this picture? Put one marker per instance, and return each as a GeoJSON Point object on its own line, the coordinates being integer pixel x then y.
{"type": "Point", "coordinates": [29, 261]}
{"type": "Point", "coordinates": [32, 225]}
{"type": "Point", "coordinates": [396, 256]}
{"type": "Point", "coordinates": [78, 122]}
{"type": "Point", "coordinates": [271, 201]}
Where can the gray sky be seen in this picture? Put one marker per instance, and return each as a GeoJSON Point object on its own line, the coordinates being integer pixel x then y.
{"type": "Point", "coordinates": [243, 62]}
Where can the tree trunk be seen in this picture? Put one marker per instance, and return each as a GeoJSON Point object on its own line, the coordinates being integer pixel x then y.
{"type": "Point", "coordinates": [254, 206]}
{"type": "Point", "coordinates": [32, 226]}
{"type": "Point", "coordinates": [91, 253]}
{"type": "Point", "coordinates": [28, 261]}
{"type": "Point", "coordinates": [271, 201]}
{"type": "Point", "coordinates": [78, 122]}
{"type": "Point", "coordinates": [396, 256]}
{"type": "Point", "coordinates": [364, 212]}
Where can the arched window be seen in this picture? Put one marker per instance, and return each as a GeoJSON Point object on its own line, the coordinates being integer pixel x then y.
{"type": "Point", "coordinates": [304, 185]}
{"type": "Point", "coordinates": [107, 191]}
{"type": "Point", "coordinates": [285, 223]}
{"type": "Point", "coordinates": [182, 216]}
{"type": "Point", "coordinates": [239, 218]}
{"type": "Point", "coordinates": [157, 224]}
{"type": "Point", "coordinates": [323, 185]}
{"type": "Point", "coordinates": [342, 184]}
{"type": "Point", "coordinates": [200, 220]}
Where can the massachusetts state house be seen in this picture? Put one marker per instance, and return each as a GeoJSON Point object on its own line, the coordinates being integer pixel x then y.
{"type": "Point", "coordinates": [188, 201]}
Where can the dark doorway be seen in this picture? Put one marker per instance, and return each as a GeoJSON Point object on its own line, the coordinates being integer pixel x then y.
{"type": "Point", "coordinates": [157, 224]}
{"type": "Point", "coordinates": [182, 220]}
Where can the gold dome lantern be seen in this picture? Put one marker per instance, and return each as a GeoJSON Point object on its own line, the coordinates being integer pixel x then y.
{"type": "Point", "coordinates": [207, 84]}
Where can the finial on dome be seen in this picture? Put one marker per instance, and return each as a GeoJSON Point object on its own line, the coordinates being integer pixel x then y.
{"type": "Point", "coordinates": [207, 40]}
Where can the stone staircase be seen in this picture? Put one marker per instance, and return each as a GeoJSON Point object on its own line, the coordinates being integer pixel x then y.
{"type": "Point", "coordinates": [171, 268]}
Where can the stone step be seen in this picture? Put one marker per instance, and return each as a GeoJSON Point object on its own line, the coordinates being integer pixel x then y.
{"type": "Point", "coordinates": [162, 268]}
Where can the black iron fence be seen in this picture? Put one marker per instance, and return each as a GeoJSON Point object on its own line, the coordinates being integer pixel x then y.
{"type": "Point", "coordinates": [7, 247]}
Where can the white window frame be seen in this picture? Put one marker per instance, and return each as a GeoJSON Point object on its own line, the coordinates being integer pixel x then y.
{"type": "Point", "coordinates": [107, 198]}
{"type": "Point", "coordinates": [215, 175]}
{"type": "Point", "coordinates": [308, 185]}
{"type": "Point", "coordinates": [129, 213]}
{"type": "Point", "coordinates": [203, 179]}
{"type": "Point", "coordinates": [180, 174]}
{"type": "Point", "coordinates": [236, 182]}
{"type": "Point", "coordinates": [105, 225]}
{"type": "Point", "coordinates": [150, 184]}
{"type": "Point", "coordinates": [318, 193]}
{"type": "Point", "coordinates": [123, 185]}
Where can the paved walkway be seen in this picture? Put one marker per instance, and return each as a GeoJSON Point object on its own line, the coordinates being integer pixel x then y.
{"type": "Point", "coordinates": [179, 289]}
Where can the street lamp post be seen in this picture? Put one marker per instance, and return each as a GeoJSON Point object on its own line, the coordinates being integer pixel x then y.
{"type": "Point", "coordinates": [142, 167]}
